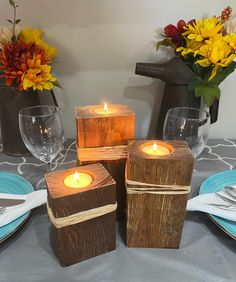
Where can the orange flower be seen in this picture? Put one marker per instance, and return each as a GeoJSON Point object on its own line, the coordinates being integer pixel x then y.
{"type": "Point", "coordinates": [14, 57]}
{"type": "Point", "coordinates": [37, 76]}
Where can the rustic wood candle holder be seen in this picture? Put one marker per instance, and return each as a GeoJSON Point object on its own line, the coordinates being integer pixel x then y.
{"type": "Point", "coordinates": [157, 193]}
{"type": "Point", "coordinates": [83, 219]}
{"type": "Point", "coordinates": [103, 138]}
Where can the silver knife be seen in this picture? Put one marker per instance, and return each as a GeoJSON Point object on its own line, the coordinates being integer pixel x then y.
{"type": "Point", "coordinates": [11, 202]}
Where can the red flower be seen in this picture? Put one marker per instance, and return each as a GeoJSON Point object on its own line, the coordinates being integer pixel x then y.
{"type": "Point", "coordinates": [175, 32]}
{"type": "Point", "coordinates": [14, 57]}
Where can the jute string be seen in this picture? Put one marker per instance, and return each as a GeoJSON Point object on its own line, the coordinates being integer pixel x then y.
{"type": "Point", "coordinates": [133, 187]}
{"type": "Point", "coordinates": [80, 216]}
{"type": "Point", "coordinates": [109, 153]}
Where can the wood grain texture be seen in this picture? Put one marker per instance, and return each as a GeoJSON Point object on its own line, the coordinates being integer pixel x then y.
{"type": "Point", "coordinates": [96, 130]}
{"type": "Point", "coordinates": [90, 238]}
{"type": "Point", "coordinates": [155, 221]}
{"type": "Point", "coordinates": [173, 169]}
{"type": "Point", "coordinates": [117, 170]}
{"type": "Point", "coordinates": [84, 240]}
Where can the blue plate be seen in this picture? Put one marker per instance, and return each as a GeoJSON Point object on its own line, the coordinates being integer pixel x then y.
{"type": "Point", "coordinates": [13, 184]}
{"type": "Point", "coordinates": [216, 183]}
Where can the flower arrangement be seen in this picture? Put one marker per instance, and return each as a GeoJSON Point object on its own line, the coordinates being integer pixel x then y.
{"type": "Point", "coordinates": [208, 48]}
{"type": "Point", "coordinates": [25, 58]}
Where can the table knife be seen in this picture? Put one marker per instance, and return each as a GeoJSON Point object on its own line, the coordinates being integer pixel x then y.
{"type": "Point", "coordinates": [11, 202]}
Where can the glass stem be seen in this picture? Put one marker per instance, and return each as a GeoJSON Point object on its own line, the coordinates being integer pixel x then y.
{"type": "Point", "coordinates": [49, 168]}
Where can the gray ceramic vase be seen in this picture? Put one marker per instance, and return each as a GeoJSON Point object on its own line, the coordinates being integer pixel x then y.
{"type": "Point", "coordinates": [11, 102]}
{"type": "Point", "coordinates": [176, 75]}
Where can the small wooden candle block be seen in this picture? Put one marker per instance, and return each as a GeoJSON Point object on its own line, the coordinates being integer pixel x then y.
{"type": "Point", "coordinates": [103, 132]}
{"type": "Point", "coordinates": [158, 178]}
{"type": "Point", "coordinates": [82, 209]}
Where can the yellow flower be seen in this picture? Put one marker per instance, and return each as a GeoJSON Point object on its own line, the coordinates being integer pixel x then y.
{"type": "Point", "coordinates": [191, 47]}
{"type": "Point", "coordinates": [231, 39]}
{"type": "Point", "coordinates": [216, 52]}
{"type": "Point", "coordinates": [35, 35]}
{"type": "Point", "coordinates": [37, 76]}
{"type": "Point", "coordinates": [203, 29]}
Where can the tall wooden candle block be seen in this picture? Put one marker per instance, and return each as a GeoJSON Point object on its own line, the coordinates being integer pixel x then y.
{"type": "Point", "coordinates": [82, 212]}
{"type": "Point", "coordinates": [157, 183]}
{"type": "Point", "coordinates": [102, 136]}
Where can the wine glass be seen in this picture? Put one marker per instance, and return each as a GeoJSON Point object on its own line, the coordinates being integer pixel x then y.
{"type": "Point", "coordinates": [189, 124]}
{"type": "Point", "coordinates": [42, 131]}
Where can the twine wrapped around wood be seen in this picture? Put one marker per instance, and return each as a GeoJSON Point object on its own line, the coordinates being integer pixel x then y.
{"type": "Point", "coordinates": [133, 187]}
{"type": "Point", "coordinates": [109, 153]}
{"type": "Point", "coordinates": [80, 216]}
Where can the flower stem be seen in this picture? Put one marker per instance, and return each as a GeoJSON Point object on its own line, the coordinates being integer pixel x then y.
{"type": "Point", "coordinates": [14, 22]}
{"type": "Point", "coordinates": [14, 25]}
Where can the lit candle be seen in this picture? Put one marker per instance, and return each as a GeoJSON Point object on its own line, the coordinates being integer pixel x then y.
{"type": "Point", "coordinates": [78, 180]}
{"type": "Point", "coordinates": [155, 149]}
{"type": "Point", "coordinates": [105, 107]}
{"type": "Point", "coordinates": [105, 110]}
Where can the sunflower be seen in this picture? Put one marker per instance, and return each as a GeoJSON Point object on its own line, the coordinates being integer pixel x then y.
{"type": "Point", "coordinates": [203, 29]}
{"type": "Point", "coordinates": [191, 47]}
{"type": "Point", "coordinates": [231, 39]}
{"type": "Point", "coordinates": [35, 35]}
{"type": "Point", "coordinates": [215, 53]}
{"type": "Point", "coordinates": [37, 76]}
{"type": "Point", "coordinates": [22, 62]}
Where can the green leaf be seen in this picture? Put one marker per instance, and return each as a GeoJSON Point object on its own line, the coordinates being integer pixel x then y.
{"type": "Point", "coordinates": [57, 84]}
{"type": "Point", "coordinates": [164, 42]}
{"type": "Point", "coordinates": [197, 69]}
{"type": "Point", "coordinates": [9, 21]}
{"type": "Point", "coordinates": [193, 83]}
{"type": "Point", "coordinates": [208, 100]}
{"type": "Point", "coordinates": [222, 73]}
{"type": "Point", "coordinates": [209, 93]}
{"type": "Point", "coordinates": [17, 21]}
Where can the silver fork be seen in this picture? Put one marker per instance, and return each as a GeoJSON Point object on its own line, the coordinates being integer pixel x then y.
{"type": "Point", "coordinates": [226, 205]}
{"type": "Point", "coordinates": [230, 204]}
{"type": "Point", "coordinates": [221, 206]}
{"type": "Point", "coordinates": [230, 190]}
{"type": "Point", "coordinates": [2, 210]}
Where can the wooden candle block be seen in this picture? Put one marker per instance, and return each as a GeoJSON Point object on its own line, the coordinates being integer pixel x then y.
{"type": "Point", "coordinates": [102, 136]}
{"type": "Point", "coordinates": [83, 219]}
{"type": "Point", "coordinates": [97, 128]}
{"type": "Point", "coordinates": [157, 193]}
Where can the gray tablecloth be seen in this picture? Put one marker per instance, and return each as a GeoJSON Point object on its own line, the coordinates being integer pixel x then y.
{"type": "Point", "coordinates": [206, 252]}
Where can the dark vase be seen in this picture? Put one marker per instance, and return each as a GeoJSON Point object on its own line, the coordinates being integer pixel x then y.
{"type": "Point", "coordinates": [12, 101]}
{"type": "Point", "coordinates": [176, 75]}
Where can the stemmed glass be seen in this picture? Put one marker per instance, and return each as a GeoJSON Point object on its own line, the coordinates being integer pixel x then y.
{"type": "Point", "coordinates": [42, 131]}
{"type": "Point", "coordinates": [189, 124]}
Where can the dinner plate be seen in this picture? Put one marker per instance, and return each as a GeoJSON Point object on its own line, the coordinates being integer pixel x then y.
{"type": "Point", "coordinates": [216, 183]}
{"type": "Point", "coordinates": [13, 184]}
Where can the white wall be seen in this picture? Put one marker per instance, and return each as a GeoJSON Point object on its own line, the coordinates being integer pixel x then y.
{"type": "Point", "coordinates": [99, 43]}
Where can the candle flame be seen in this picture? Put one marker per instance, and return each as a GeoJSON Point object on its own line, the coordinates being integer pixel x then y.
{"type": "Point", "coordinates": [76, 176]}
{"type": "Point", "coordinates": [105, 107]}
{"type": "Point", "coordinates": [155, 147]}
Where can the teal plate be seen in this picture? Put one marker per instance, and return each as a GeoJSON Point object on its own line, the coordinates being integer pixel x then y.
{"type": "Point", "coordinates": [13, 184]}
{"type": "Point", "coordinates": [216, 183]}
